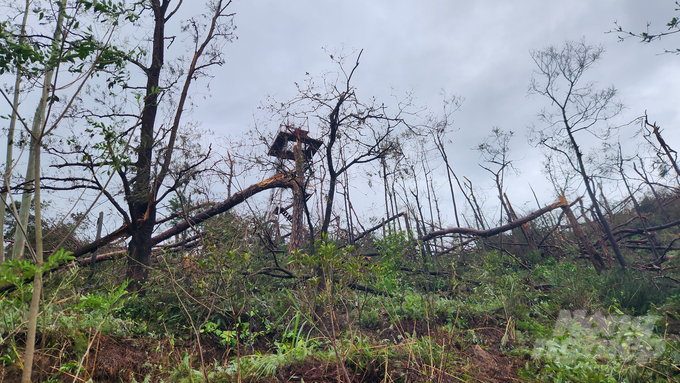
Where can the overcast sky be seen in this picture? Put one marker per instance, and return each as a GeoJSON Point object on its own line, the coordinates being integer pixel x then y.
{"type": "Point", "coordinates": [479, 50]}
{"type": "Point", "coordinates": [475, 49]}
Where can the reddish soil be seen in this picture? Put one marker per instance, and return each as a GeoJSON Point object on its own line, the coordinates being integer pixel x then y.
{"type": "Point", "coordinates": [122, 360]}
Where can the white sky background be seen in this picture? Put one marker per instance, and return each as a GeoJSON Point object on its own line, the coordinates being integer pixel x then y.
{"type": "Point", "coordinates": [476, 49]}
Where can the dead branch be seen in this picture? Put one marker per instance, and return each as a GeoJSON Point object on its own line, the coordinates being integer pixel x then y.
{"type": "Point", "coordinates": [277, 181]}
{"type": "Point", "coordinates": [378, 226]}
{"type": "Point", "coordinates": [497, 230]}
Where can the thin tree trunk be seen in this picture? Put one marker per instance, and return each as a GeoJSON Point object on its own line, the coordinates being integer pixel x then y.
{"type": "Point", "coordinates": [36, 128]}
{"type": "Point", "coordinates": [387, 199]}
{"type": "Point", "coordinates": [605, 203]}
{"type": "Point", "coordinates": [643, 220]}
{"type": "Point", "coordinates": [378, 226]}
{"type": "Point", "coordinates": [496, 230]}
{"type": "Point", "coordinates": [420, 225]}
{"type": "Point", "coordinates": [601, 243]}
{"type": "Point", "coordinates": [442, 151]}
{"type": "Point", "coordinates": [475, 206]}
{"type": "Point", "coordinates": [37, 279]}
{"type": "Point", "coordinates": [9, 164]}
{"type": "Point", "coordinates": [100, 221]}
{"type": "Point", "coordinates": [665, 147]}
{"type": "Point", "coordinates": [348, 213]}
{"type": "Point", "coordinates": [591, 194]}
{"type": "Point", "coordinates": [644, 176]}
{"type": "Point", "coordinates": [439, 214]}
{"type": "Point", "coordinates": [393, 201]}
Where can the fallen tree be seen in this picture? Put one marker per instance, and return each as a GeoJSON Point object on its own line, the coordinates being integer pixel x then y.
{"type": "Point", "coordinates": [497, 230]}
{"type": "Point", "coordinates": [277, 181]}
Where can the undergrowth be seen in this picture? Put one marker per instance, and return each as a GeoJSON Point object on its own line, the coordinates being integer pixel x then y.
{"type": "Point", "coordinates": [212, 315]}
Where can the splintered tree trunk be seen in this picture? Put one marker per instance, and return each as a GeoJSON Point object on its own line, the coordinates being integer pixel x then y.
{"type": "Point", "coordinates": [141, 202]}
{"type": "Point", "coordinates": [526, 230]}
{"type": "Point", "coordinates": [585, 243]}
{"type": "Point", "coordinates": [667, 149]}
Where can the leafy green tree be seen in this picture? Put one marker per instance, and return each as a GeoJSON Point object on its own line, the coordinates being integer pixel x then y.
{"type": "Point", "coordinates": [151, 150]}
{"type": "Point", "coordinates": [68, 54]}
{"type": "Point", "coordinates": [12, 128]}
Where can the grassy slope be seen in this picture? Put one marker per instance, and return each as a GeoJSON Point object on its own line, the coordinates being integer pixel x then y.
{"type": "Point", "coordinates": [216, 315]}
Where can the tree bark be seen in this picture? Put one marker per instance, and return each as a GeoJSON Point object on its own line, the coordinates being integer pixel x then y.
{"type": "Point", "coordinates": [277, 181]}
{"type": "Point", "coordinates": [36, 128]}
{"type": "Point", "coordinates": [33, 310]}
{"type": "Point", "coordinates": [298, 186]}
{"type": "Point", "coordinates": [36, 142]}
{"type": "Point", "coordinates": [141, 202]}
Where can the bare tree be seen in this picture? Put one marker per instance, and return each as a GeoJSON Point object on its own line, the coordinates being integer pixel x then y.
{"type": "Point", "coordinates": [643, 220]}
{"type": "Point", "coordinates": [495, 150]}
{"type": "Point", "coordinates": [664, 149]}
{"type": "Point", "coordinates": [438, 128]}
{"type": "Point", "coordinates": [576, 108]}
{"type": "Point", "coordinates": [356, 132]}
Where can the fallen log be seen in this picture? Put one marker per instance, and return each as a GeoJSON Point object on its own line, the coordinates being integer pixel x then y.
{"type": "Point", "coordinates": [497, 230]}
{"type": "Point", "coordinates": [624, 233]}
{"type": "Point", "coordinates": [277, 181]}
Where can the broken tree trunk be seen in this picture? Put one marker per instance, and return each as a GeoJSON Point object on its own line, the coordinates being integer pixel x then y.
{"type": "Point", "coordinates": [277, 181]}
{"type": "Point", "coordinates": [586, 245]}
{"type": "Point", "coordinates": [667, 149]}
{"type": "Point", "coordinates": [497, 230]}
{"type": "Point", "coordinates": [526, 230]}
